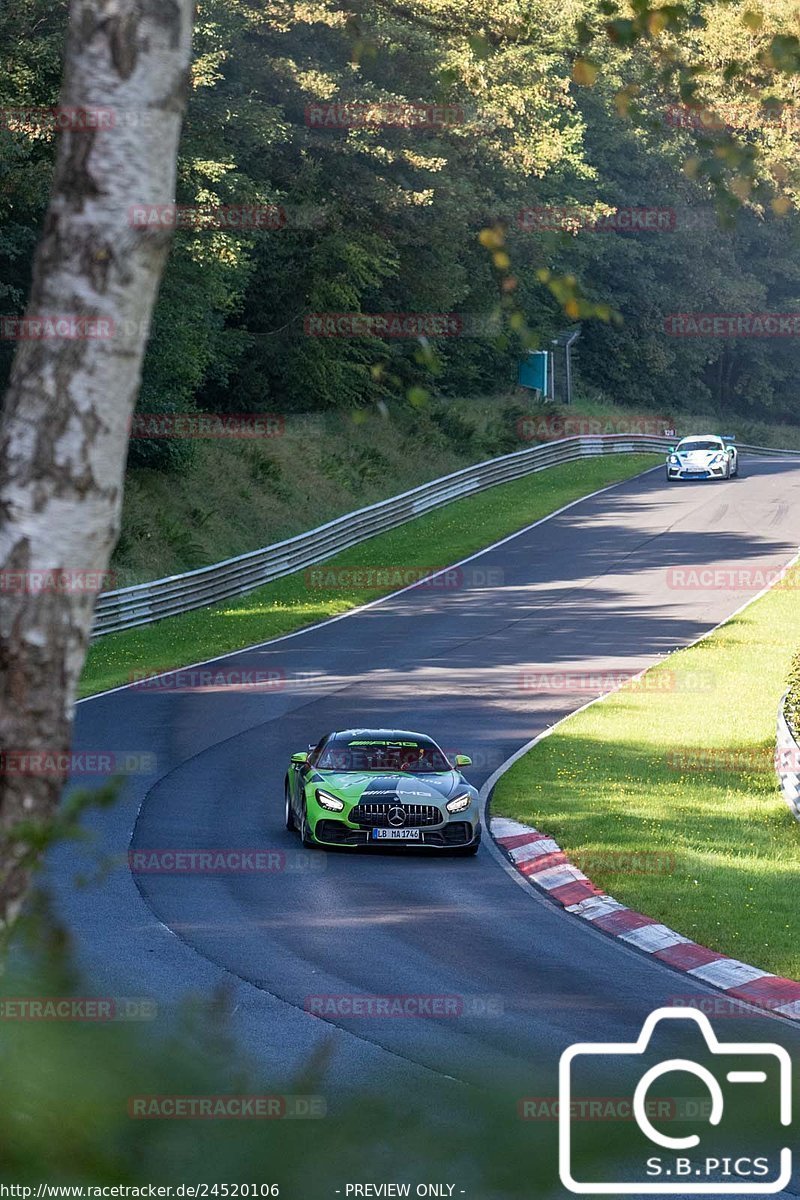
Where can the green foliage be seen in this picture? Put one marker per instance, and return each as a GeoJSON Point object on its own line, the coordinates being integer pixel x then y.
{"type": "Point", "coordinates": [538, 107]}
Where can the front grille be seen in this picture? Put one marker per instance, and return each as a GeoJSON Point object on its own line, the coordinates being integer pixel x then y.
{"type": "Point", "coordinates": [376, 816]}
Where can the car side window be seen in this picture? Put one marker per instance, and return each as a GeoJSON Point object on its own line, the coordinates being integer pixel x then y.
{"type": "Point", "coordinates": [315, 753]}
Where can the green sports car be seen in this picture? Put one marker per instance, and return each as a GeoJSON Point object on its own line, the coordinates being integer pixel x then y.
{"type": "Point", "coordinates": [382, 787]}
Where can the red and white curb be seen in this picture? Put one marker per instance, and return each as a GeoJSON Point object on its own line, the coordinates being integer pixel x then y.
{"type": "Point", "coordinates": [542, 861]}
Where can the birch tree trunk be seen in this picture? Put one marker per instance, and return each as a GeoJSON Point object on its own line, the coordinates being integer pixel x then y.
{"type": "Point", "coordinates": [65, 419]}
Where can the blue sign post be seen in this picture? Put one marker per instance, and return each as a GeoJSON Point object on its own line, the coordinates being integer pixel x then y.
{"type": "Point", "coordinates": [533, 371]}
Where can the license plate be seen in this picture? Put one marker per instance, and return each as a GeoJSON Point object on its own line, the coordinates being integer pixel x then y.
{"type": "Point", "coordinates": [396, 835]}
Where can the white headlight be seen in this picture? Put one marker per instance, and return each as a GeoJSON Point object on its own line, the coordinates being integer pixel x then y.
{"type": "Point", "coordinates": [332, 803]}
{"type": "Point", "coordinates": [458, 803]}
{"type": "Point", "coordinates": [674, 460]}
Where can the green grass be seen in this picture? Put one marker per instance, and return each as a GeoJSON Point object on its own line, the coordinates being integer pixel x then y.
{"type": "Point", "coordinates": [434, 540]}
{"type": "Point", "coordinates": [628, 776]}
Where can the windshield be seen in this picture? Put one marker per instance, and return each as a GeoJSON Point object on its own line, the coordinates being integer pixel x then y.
{"type": "Point", "coordinates": [684, 446]}
{"type": "Point", "coordinates": [415, 757]}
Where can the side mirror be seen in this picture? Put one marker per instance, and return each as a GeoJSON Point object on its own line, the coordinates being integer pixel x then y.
{"type": "Point", "coordinates": [463, 760]}
{"type": "Point", "coordinates": [671, 450]}
{"type": "Point", "coordinates": [300, 757]}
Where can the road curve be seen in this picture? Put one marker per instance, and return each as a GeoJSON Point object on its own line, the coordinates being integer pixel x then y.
{"type": "Point", "coordinates": [592, 589]}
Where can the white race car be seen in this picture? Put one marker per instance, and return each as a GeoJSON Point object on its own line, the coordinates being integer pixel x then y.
{"type": "Point", "coordinates": [704, 456]}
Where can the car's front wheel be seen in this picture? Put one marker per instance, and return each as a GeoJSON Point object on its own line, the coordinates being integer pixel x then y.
{"type": "Point", "coordinates": [290, 822]}
{"type": "Point", "coordinates": [305, 832]}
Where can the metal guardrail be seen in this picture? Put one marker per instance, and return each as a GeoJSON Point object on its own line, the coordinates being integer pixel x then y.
{"type": "Point", "coordinates": [143, 603]}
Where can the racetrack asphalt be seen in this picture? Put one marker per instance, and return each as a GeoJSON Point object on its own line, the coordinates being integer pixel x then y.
{"type": "Point", "coordinates": [592, 590]}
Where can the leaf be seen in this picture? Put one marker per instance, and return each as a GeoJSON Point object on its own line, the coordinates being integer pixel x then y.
{"type": "Point", "coordinates": [584, 72]}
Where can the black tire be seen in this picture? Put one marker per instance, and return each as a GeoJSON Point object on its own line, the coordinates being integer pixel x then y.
{"type": "Point", "coordinates": [305, 834]}
{"type": "Point", "coordinates": [290, 821]}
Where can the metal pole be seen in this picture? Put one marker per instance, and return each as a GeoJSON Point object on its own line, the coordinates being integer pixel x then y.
{"type": "Point", "coordinates": [572, 337]}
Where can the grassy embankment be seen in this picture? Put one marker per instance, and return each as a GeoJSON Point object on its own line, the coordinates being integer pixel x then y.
{"type": "Point", "coordinates": [680, 785]}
